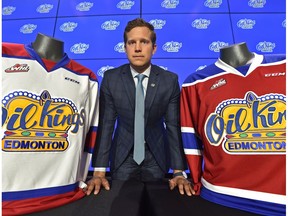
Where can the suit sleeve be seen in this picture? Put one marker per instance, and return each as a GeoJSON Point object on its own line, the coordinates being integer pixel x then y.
{"type": "Point", "coordinates": [189, 112]}
{"type": "Point", "coordinates": [172, 121]}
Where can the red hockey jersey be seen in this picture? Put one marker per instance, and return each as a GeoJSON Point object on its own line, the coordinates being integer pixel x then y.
{"type": "Point", "coordinates": [233, 123]}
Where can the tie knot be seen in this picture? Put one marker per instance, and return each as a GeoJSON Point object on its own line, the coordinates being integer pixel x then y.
{"type": "Point", "coordinates": [140, 77]}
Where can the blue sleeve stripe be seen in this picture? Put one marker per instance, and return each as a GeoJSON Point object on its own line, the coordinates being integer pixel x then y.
{"type": "Point", "coordinates": [93, 129]}
{"type": "Point", "coordinates": [191, 141]}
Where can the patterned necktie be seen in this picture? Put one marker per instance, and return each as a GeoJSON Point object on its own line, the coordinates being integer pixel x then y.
{"type": "Point", "coordinates": [138, 154]}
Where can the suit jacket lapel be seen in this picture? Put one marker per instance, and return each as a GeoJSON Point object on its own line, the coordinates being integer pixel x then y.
{"type": "Point", "coordinates": [152, 87]}
{"type": "Point", "coordinates": [129, 85]}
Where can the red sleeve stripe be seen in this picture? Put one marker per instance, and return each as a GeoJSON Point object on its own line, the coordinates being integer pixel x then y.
{"type": "Point", "coordinates": [91, 139]}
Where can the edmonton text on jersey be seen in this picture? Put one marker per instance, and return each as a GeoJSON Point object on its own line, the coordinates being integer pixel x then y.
{"type": "Point", "coordinates": [254, 146]}
{"type": "Point", "coordinates": [28, 145]}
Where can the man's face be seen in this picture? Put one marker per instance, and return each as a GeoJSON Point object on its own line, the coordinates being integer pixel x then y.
{"type": "Point", "coordinates": [139, 48]}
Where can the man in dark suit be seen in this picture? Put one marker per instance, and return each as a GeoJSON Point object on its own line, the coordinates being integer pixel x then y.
{"type": "Point", "coordinates": [162, 140]}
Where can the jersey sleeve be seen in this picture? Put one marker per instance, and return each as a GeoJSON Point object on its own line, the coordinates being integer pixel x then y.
{"type": "Point", "coordinates": [93, 115]}
{"type": "Point", "coordinates": [92, 133]}
{"type": "Point", "coordinates": [189, 110]}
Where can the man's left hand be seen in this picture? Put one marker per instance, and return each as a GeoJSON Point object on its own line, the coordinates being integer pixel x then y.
{"type": "Point", "coordinates": [184, 185]}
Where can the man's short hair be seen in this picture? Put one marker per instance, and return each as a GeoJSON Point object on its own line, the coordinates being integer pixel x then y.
{"type": "Point", "coordinates": [139, 22]}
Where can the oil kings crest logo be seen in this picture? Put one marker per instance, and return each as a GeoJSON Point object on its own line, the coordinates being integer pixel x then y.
{"type": "Point", "coordinates": [102, 70]}
{"type": "Point", "coordinates": [169, 4]}
{"type": "Point", "coordinates": [157, 23]}
{"type": "Point", "coordinates": [28, 28]}
{"type": "Point", "coordinates": [119, 47]}
{"type": "Point", "coordinates": [125, 5]}
{"type": "Point", "coordinates": [110, 25]}
{"type": "Point", "coordinates": [172, 46]}
{"type": "Point", "coordinates": [246, 23]}
{"type": "Point", "coordinates": [44, 8]}
{"type": "Point", "coordinates": [217, 45]}
{"type": "Point", "coordinates": [253, 125]}
{"type": "Point", "coordinates": [213, 3]}
{"type": "Point", "coordinates": [68, 26]}
{"type": "Point", "coordinates": [38, 123]}
{"type": "Point", "coordinates": [8, 10]}
{"type": "Point", "coordinates": [79, 48]}
{"type": "Point", "coordinates": [284, 23]}
{"type": "Point", "coordinates": [265, 46]}
{"type": "Point", "coordinates": [84, 6]}
{"type": "Point", "coordinates": [201, 23]}
{"type": "Point", "coordinates": [257, 3]}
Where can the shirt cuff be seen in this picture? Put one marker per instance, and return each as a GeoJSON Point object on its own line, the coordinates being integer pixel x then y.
{"type": "Point", "coordinates": [100, 169]}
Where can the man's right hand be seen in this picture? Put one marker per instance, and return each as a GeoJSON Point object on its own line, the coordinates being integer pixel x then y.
{"type": "Point", "coordinates": [96, 182]}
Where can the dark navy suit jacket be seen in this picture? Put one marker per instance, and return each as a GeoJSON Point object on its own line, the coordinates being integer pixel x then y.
{"type": "Point", "coordinates": [162, 126]}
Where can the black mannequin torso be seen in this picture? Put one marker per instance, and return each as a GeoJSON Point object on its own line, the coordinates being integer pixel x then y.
{"type": "Point", "coordinates": [48, 47]}
{"type": "Point", "coordinates": [236, 55]}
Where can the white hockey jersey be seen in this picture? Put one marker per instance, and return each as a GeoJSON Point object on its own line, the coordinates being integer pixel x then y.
{"type": "Point", "coordinates": [49, 126]}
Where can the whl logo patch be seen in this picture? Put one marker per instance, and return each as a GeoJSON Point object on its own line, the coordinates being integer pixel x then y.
{"type": "Point", "coordinates": [17, 68]}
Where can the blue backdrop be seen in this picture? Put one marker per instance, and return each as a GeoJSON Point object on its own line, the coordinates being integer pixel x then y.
{"type": "Point", "coordinates": [189, 32]}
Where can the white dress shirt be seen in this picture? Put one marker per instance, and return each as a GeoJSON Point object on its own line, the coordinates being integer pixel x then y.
{"type": "Point", "coordinates": [145, 80]}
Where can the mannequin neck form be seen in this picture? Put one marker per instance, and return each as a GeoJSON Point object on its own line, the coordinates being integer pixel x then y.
{"type": "Point", "coordinates": [48, 47]}
{"type": "Point", "coordinates": [236, 55]}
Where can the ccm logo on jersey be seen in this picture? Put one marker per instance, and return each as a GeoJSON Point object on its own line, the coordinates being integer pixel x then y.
{"type": "Point", "coordinates": [275, 74]}
{"type": "Point", "coordinates": [72, 80]}
{"type": "Point", "coordinates": [18, 68]}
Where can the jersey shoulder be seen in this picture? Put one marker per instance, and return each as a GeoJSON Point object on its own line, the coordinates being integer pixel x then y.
{"type": "Point", "coordinates": [204, 73]}
{"type": "Point", "coordinates": [273, 58]}
{"type": "Point", "coordinates": [80, 69]}
{"type": "Point", "coordinates": [14, 50]}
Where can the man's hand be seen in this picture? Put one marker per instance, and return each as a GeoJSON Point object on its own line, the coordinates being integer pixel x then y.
{"type": "Point", "coordinates": [183, 185]}
{"type": "Point", "coordinates": [96, 182]}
